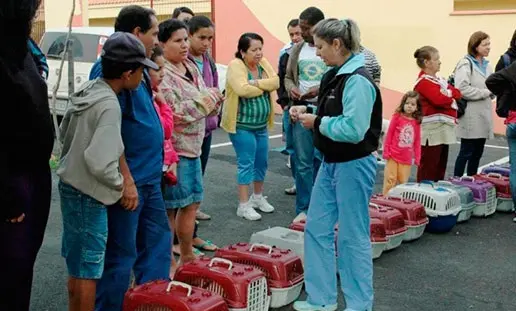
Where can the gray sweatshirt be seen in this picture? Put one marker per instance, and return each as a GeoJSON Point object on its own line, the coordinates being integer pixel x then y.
{"type": "Point", "coordinates": [92, 143]}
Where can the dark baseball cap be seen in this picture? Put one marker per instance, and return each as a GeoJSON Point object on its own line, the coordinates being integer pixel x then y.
{"type": "Point", "coordinates": [124, 47]}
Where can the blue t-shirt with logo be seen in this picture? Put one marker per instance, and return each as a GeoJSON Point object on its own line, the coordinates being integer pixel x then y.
{"type": "Point", "coordinates": [142, 131]}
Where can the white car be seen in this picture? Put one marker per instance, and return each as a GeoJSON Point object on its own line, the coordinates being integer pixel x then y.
{"type": "Point", "coordinates": [87, 45]}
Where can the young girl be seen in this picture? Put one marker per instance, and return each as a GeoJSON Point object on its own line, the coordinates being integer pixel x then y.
{"type": "Point", "coordinates": [403, 141]}
{"type": "Point", "coordinates": [170, 158]}
{"type": "Point", "coordinates": [165, 114]}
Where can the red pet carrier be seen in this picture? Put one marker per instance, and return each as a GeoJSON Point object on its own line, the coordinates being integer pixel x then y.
{"type": "Point", "coordinates": [282, 267]}
{"type": "Point", "coordinates": [394, 223]}
{"type": "Point", "coordinates": [172, 296]}
{"type": "Point", "coordinates": [243, 287]}
{"type": "Point", "coordinates": [413, 212]}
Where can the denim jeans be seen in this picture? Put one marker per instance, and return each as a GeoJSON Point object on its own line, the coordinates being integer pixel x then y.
{"type": "Point", "coordinates": [138, 240]}
{"type": "Point", "coordinates": [289, 143]}
{"type": "Point", "coordinates": [85, 232]}
{"type": "Point", "coordinates": [307, 161]}
{"type": "Point", "coordinates": [511, 141]}
{"type": "Point", "coordinates": [470, 153]}
{"type": "Point", "coordinates": [341, 195]}
{"type": "Point", "coordinates": [252, 151]}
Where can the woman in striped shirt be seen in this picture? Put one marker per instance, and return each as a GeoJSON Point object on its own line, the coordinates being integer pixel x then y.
{"type": "Point", "coordinates": [247, 114]}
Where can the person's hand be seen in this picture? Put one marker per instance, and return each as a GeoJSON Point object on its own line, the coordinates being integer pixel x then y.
{"type": "Point", "coordinates": [307, 120]}
{"type": "Point", "coordinates": [253, 83]}
{"type": "Point", "coordinates": [17, 220]}
{"type": "Point", "coordinates": [130, 196]}
{"type": "Point", "coordinates": [295, 111]}
{"type": "Point", "coordinates": [312, 93]}
{"type": "Point", "coordinates": [173, 168]}
{"type": "Point", "coordinates": [295, 94]}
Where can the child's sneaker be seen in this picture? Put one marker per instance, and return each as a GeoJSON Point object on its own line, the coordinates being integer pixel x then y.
{"type": "Point", "coordinates": [260, 202]}
{"type": "Point", "coordinates": [247, 211]}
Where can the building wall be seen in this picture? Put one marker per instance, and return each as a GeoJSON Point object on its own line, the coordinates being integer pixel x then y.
{"type": "Point", "coordinates": [393, 29]}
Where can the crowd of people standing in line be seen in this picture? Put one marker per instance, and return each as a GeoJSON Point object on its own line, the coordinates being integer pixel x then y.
{"type": "Point", "coordinates": [136, 139]}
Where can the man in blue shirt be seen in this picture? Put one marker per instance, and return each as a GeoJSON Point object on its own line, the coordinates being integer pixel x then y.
{"type": "Point", "coordinates": [139, 237]}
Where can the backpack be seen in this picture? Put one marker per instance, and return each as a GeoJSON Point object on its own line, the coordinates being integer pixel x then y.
{"type": "Point", "coordinates": [502, 105]}
{"type": "Point", "coordinates": [461, 103]}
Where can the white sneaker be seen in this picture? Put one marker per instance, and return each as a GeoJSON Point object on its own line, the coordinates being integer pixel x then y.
{"type": "Point", "coordinates": [261, 203]}
{"type": "Point", "coordinates": [247, 211]}
{"type": "Point", "coordinates": [514, 219]}
{"type": "Point", "coordinates": [288, 163]}
{"type": "Point", "coordinates": [300, 217]}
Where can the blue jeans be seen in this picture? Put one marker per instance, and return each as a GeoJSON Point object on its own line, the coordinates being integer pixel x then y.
{"type": "Point", "coordinates": [85, 232]}
{"type": "Point", "coordinates": [307, 161]}
{"type": "Point", "coordinates": [341, 195]}
{"type": "Point", "coordinates": [470, 153]}
{"type": "Point", "coordinates": [289, 141]}
{"type": "Point", "coordinates": [205, 152]}
{"type": "Point", "coordinates": [511, 141]}
{"type": "Point", "coordinates": [252, 151]}
{"type": "Point", "coordinates": [140, 241]}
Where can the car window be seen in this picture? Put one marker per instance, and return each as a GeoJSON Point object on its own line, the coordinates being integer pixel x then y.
{"type": "Point", "coordinates": [85, 47]}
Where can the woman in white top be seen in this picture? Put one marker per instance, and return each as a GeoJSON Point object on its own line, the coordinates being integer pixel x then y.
{"type": "Point", "coordinates": [476, 125]}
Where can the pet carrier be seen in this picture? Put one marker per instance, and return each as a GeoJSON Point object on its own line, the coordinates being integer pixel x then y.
{"type": "Point", "coordinates": [283, 269]}
{"type": "Point", "coordinates": [243, 287]}
{"type": "Point", "coordinates": [378, 237]}
{"type": "Point", "coordinates": [442, 205]}
{"type": "Point", "coordinates": [283, 238]}
{"type": "Point", "coordinates": [172, 296]}
{"type": "Point", "coordinates": [484, 194]}
{"type": "Point", "coordinates": [467, 202]}
{"type": "Point", "coordinates": [393, 221]}
{"type": "Point", "coordinates": [503, 170]}
{"type": "Point", "coordinates": [503, 190]}
{"type": "Point", "coordinates": [413, 212]}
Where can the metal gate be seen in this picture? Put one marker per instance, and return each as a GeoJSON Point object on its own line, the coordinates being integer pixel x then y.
{"type": "Point", "coordinates": [164, 8]}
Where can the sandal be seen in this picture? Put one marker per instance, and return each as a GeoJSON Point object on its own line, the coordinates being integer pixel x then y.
{"type": "Point", "coordinates": [197, 253]}
{"type": "Point", "coordinates": [207, 246]}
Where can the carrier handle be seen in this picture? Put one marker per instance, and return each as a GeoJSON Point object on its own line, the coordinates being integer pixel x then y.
{"type": "Point", "coordinates": [427, 182]}
{"type": "Point", "coordinates": [467, 178]}
{"type": "Point", "coordinates": [222, 260]}
{"type": "Point", "coordinates": [181, 284]}
{"type": "Point", "coordinates": [261, 246]}
{"type": "Point", "coordinates": [374, 205]}
{"type": "Point", "coordinates": [496, 175]}
{"type": "Point", "coordinates": [395, 197]}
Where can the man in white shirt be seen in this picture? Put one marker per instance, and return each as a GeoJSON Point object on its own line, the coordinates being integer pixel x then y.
{"type": "Point", "coordinates": [304, 73]}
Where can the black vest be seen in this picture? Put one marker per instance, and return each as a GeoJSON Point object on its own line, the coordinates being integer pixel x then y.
{"type": "Point", "coordinates": [330, 105]}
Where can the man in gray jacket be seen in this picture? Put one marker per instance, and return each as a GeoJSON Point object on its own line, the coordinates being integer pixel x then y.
{"type": "Point", "coordinates": [90, 177]}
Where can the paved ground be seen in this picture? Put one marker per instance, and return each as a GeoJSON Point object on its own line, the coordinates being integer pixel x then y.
{"type": "Point", "coordinates": [471, 268]}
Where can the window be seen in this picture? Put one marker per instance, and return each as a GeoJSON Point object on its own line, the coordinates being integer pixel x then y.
{"type": "Point", "coordinates": [483, 5]}
{"type": "Point", "coordinates": [85, 47]}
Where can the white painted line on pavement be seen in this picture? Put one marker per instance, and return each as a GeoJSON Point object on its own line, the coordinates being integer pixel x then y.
{"type": "Point", "coordinates": [229, 143]}
{"type": "Point", "coordinates": [497, 147]}
{"type": "Point", "coordinates": [500, 161]}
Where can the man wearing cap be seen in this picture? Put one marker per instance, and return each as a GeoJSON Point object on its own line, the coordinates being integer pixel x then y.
{"type": "Point", "coordinates": [90, 178]}
{"type": "Point", "coordinates": [139, 237]}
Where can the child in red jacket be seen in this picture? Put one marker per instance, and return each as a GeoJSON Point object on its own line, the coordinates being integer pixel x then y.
{"type": "Point", "coordinates": [402, 142]}
{"type": "Point", "coordinates": [165, 115]}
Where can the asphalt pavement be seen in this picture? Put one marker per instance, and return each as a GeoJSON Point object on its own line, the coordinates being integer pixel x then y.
{"type": "Point", "coordinates": [471, 268]}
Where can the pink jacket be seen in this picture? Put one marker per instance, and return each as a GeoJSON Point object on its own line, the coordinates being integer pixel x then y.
{"type": "Point", "coordinates": [403, 140]}
{"type": "Point", "coordinates": [167, 120]}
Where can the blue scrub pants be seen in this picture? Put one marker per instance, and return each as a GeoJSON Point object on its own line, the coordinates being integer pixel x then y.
{"type": "Point", "coordinates": [140, 241]}
{"type": "Point", "coordinates": [341, 194]}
